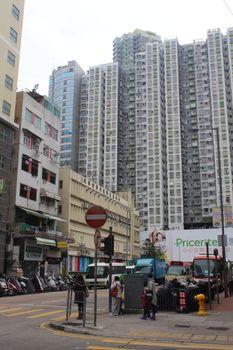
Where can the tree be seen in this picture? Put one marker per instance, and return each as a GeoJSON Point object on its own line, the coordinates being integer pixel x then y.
{"type": "Point", "coordinates": [150, 251]}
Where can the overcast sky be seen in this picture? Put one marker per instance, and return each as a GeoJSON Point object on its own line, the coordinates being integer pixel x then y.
{"type": "Point", "coordinates": [57, 31]}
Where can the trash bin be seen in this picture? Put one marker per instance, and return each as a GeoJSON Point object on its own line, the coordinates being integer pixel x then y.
{"type": "Point", "coordinates": [134, 287]}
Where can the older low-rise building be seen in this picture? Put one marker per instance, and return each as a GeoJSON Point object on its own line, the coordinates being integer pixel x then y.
{"type": "Point", "coordinates": [77, 195]}
{"type": "Point", "coordinates": [34, 186]}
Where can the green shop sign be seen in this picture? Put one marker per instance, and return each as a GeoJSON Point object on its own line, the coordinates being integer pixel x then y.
{"type": "Point", "coordinates": [195, 242]}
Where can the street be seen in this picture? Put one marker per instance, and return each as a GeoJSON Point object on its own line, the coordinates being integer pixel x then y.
{"type": "Point", "coordinates": [24, 325]}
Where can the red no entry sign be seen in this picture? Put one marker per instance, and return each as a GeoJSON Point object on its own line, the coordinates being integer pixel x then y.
{"type": "Point", "coordinates": [96, 216]}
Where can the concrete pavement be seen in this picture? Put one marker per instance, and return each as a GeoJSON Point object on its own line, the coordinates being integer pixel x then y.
{"type": "Point", "coordinates": [215, 328]}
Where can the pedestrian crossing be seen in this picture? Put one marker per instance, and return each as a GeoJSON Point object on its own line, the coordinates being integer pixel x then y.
{"type": "Point", "coordinates": [33, 313]}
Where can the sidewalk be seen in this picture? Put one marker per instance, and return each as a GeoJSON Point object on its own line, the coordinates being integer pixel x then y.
{"type": "Point", "coordinates": [216, 327]}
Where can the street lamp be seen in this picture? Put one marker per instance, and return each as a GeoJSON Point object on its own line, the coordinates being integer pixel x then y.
{"type": "Point", "coordinates": [222, 215]}
{"type": "Point", "coordinates": [221, 206]}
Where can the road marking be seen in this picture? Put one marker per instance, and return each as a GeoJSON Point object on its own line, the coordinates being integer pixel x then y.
{"type": "Point", "coordinates": [10, 310]}
{"type": "Point", "coordinates": [163, 344]}
{"type": "Point", "coordinates": [46, 314]}
{"type": "Point", "coordinates": [24, 312]}
{"type": "Point", "coordinates": [167, 345]}
{"type": "Point", "coordinates": [60, 318]}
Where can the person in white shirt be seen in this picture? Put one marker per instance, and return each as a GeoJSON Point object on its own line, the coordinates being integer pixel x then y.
{"type": "Point", "coordinates": [116, 292]}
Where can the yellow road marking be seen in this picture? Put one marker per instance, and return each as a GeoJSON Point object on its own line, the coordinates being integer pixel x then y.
{"type": "Point", "coordinates": [168, 345]}
{"type": "Point", "coordinates": [23, 312]}
{"type": "Point", "coordinates": [46, 314]}
{"type": "Point", "coordinates": [175, 344]}
{"type": "Point", "coordinates": [60, 318]}
{"type": "Point", "coordinates": [10, 310]}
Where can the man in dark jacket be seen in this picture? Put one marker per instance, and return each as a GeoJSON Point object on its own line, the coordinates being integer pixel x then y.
{"type": "Point", "coordinates": [80, 294]}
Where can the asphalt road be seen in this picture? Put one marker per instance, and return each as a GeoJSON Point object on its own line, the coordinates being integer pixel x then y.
{"type": "Point", "coordinates": [23, 326]}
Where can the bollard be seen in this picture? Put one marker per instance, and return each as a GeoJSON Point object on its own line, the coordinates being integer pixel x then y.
{"type": "Point", "coordinates": [200, 298]}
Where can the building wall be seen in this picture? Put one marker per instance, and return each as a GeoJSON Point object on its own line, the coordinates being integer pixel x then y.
{"type": "Point", "coordinates": [64, 90]}
{"type": "Point", "coordinates": [9, 63]}
{"type": "Point", "coordinates": [34, 186]}
{"type": "Point", "coordinates": [35, 149]}
{"type": "Point", "coordinates": [78, 193]}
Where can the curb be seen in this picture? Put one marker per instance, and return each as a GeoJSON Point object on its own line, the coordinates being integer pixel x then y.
{"type": "Point", "coordinates": [183, 337]}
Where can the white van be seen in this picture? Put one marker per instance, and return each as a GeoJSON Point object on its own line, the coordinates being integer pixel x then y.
{"type": "Point", "coordinates": [103, 273]}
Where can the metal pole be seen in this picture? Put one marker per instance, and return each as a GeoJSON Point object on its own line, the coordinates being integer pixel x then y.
{"type": "Point", "coordinates": [110, 277]}
{"type": "Point", "coordinates": [67, 304]}
{"type": "Point", "coordinates": [222, 215]}
{"type": "Point", "coordinates": [208, 264]}
{"type": "Point", "coordinates": [95, 289]}
{"type": "Point", "coordinates": [216, 269]}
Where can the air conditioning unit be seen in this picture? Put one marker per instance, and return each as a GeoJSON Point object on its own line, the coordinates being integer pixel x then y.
{"type": "Point", "coordinates": [36, 153]}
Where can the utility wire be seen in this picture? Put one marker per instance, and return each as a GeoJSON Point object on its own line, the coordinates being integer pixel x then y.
{"type": "Point", "coordinates": [228, 7]}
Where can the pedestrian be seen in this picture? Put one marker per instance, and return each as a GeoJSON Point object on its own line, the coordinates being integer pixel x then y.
{"type": "Point", "coordinates": [80, 295]}
{"type": "Point", "coordinates": [150, 299]}
{"type": "Point", "coordinates": [116, 293]}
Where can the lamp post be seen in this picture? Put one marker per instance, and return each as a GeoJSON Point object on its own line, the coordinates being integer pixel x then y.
{"type": "Point", "coordinates": [222, 215]}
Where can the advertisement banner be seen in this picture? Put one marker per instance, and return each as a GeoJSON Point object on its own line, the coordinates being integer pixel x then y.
{"type": "Point", "coordinates": [228, 216]}
{"type": "Point", "coordinates": [183, 245]}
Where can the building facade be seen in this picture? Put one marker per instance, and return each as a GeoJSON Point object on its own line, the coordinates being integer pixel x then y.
{"type": "Point", "coordinates": [172, 102]}
{"type": "Point", "coordinates": [64, 90]}
{"type": "Point", "coordinates": [34, 186]}
{"type": "Point", "coordinates": [78, 194]}
{"type": "Point", "coordinates": [11, 19]}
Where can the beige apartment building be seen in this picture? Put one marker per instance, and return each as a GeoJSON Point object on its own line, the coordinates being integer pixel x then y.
{"type": "Point", "coordinates": [34, 186]}
{"type": "Point", "coordinates": [11, 18]}
{"type": "Point", "coordinates": [77, 195]}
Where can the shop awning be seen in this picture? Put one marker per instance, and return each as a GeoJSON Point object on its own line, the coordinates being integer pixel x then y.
{"type": "Point", "coordinates": [33, 212]}
{"type": "Point", "coordinates": [42, 215]}
{"type": "Point", "coordinates": [51, 217]}
{"type": "Point", "coordinates": [45, 241]}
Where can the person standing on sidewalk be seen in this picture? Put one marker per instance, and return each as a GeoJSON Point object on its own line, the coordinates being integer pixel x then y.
{"type": "Point", "coordinates": [80, 295]}
{"type": "Point", "coordinates": [150, 299]}
{"type": "Point", "coordinates": [116, 292]}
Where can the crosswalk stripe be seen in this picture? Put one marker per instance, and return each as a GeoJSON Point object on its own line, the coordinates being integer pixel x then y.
{"type": "Point", "coordinates": [24, 312]}
{"type": "Point", "coordinates": [46, 314]}
{"type": "Point", "coordinates": [9, 310]}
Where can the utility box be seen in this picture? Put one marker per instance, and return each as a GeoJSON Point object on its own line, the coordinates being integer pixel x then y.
{"type": "Point", "coordinates": [134, 288]}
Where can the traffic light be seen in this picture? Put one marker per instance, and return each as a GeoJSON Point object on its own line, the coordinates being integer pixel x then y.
{"type": "Point", "coordinates": [108, 247]}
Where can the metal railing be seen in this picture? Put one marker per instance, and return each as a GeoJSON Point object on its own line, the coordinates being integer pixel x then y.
{"type": "Point", "coordinates": [70, 303]}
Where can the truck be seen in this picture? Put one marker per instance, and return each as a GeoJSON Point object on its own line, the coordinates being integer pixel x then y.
{"type": "Point", "coordinates": [156, 266]}
{"type": "Point", "coordinates": [200, 272]}
{"type": "Point", "coordinates": [179, 270]}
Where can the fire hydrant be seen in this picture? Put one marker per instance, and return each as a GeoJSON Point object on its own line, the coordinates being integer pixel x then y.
{"type": "Point", "coordinates": [200, 298]}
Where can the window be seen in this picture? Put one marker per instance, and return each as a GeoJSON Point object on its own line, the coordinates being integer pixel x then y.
{"type": "Point", "coordinates": [6, 108]}
{"type": "Point", "coordinates": [4, 134]}
{"type": "Point", "coordinates": [15, 12]}
{"type": "Point", "coordinates": [13, 35]}
{"type": "Point", "coordinates": [28, 192]}
{"type": "Point", "coordinates": [32, 118]}
{"type": "Point", "coordinates": [50, 131]}
{"type": "Point", "coordinates": [59, 209]}
{"type": "Point", "coordinates": [8, 82]}
{"type": "Point", "coordinates": [49, 176]}
{"type": "Point", "coordinates": [60, 184]}
{"type": "Point", "coordinates": [2, 162]}
{"type": "Point", "coordinates": [11, 58]}
{"type": "Point", "coordinates": [29, 165]}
